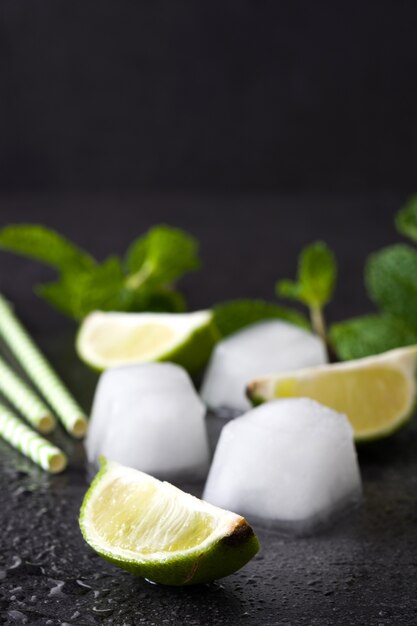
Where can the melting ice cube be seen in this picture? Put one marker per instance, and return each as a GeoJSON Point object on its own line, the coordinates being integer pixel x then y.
{"type": "Point", "coordinates": [259, 349]}
{"type": "Point", "coordinates": [290, 464]}
{"type": "Point", "coordinates": [149, 417]}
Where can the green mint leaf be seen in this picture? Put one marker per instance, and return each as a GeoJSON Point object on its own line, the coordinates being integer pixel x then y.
{"type": "Point", "coordinates": [44, 245]}
{"type": "Point", "coordinates": [370, 334]}
{"type": "Point", "coordinates": [136, 254]}
{"type": "Point", "coordinates": [317, 273]}
{"type": "Point", "coordinates": [160, 257]}
{"type": "Point", "coordinates": [290, 289]}
{"type": "Point", "coordinates": [316, 277]}
{"type": "Point", "coordinates": [156, 300]}
{"type": "Point", "coordinates": [231, 316]}
{"type": "Point", "coordinates": [59, 295]}
{"type": "Point", "coordinates": [406, 219]}
{"type": "Point", "coordinates": [154, 261]}
{"type": "Point", "coordinates": [78, 293]}
{"type": "Point", "coordinates": [391, 280]}
{"type": "Point", "coordinates": [101, 289]}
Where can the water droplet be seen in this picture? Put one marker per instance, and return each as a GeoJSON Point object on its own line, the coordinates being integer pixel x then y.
{"type": "Point", "coordinates": [99, 575]}
{"type": "Point", "coordinates": [75, 588]}
{"type": "Point", "coordinates": [103, 610]}
{"type": "Point", "coordinates": [22, 491]}
{"type": "Point", "coordinates": [17, 616]}
{"type": "Point", "coordinates": [101, 593]}
{"type": "Point", "coordinates": [16, 563]}
{"type": "Point", "coordinates": [56, 590]}
{"type": "Point", "coordinates": [19, 566]}
{"type": "Point", "coordinates": [80, 583]}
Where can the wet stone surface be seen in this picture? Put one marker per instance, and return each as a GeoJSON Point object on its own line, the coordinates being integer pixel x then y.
{"type": "Point", "coordinates": [362, 570]}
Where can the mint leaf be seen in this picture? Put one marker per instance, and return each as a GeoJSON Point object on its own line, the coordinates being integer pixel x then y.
{"type": "Point", "coordinates": [231, 316]}
{"type": "Point", "coordinates": [315, 283]}
{"type": "Point", "coordinates": [156, 300]}
{"type": "Point", "coordinates": [135, 256]}
{"type": "Point", "coordinates": [153, 261]}
{"type": "Point", "coordinates": [370, 334]}
{"type": "Point", "coordinates": [316, 277]}
{"type": "Point", "coordinates": [291, 289]}
{"type": "Point", "coordinates": [406, 219]}
{"type": "Point", "coordinates": [317, 273]}
{"type": "Point", "coordinates": [161, 257]}
{"type": "Point", "coordinates": [44, 245]}
{"type": "Point", "coordinates": [77, 294]}
{"type": "Point", "coordinates": [391, 279]}
{"type": "Point", "coordinates": [59, 295]}
{"type": "Point", "coordinates": [102, 288]}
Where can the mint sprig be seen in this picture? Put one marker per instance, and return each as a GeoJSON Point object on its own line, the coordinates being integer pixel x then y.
{"type": "Point", "coordinates": [161, 256]}
{"type": "Point", "coordinates": [371, 334]}
{"type": "Point", "coordinates": [143, 281]}
{"type": "Point", "coordinates": [391, 282]}
{"type": "Point", "coordinates": [314, 287]}
{"type": "Point", "coordinates": [45, 245]}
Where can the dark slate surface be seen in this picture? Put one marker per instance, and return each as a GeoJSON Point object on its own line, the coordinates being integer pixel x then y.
{"type": "Point", "coordinates": [362, 570]}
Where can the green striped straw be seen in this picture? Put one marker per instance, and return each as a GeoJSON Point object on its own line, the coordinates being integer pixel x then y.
{"type": "Point", "coordinates": [25, 400]}
{"type": "Point", "coordinates": [40, 371]}
{"type": "Point", "coordinates": [30, 444]}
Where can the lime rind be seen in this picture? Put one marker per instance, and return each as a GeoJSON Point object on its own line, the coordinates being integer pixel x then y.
{"type": "Point", "coordinates": [191, 350]}
{"type": "Point", "coordinates": [214, 558]}
{"type": "Point", "coordinates": [194, 352]}
{"type": "Point", "coordinates": [402, 359]}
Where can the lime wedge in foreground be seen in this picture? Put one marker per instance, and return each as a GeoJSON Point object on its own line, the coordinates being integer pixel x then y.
{"type": "Point", "coordinates": [112, 339]}
{"type": "Point", "coordinates": [378, 393]}
{"type": "Point", "coordinates": [157, 531]}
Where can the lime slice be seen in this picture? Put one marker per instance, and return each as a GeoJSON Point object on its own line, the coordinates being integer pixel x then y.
{"type": "Point", "coordinates": [112, 339]}
{"type": "Point", "coordinates": [157, 531]}
{"type": "Point", "coordinates": [378, 393]}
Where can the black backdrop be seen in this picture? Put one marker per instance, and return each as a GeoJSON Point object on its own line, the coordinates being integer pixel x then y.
{"type": "Point", "coordinates": [231, 95]}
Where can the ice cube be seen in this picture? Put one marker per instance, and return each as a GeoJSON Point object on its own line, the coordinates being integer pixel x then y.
{"type": "Point", "coordinates": [290, 464]}
{"type": "Point", "coordinates": [149, 417]}
{"type": "Point", "coordinates": [259, 349]}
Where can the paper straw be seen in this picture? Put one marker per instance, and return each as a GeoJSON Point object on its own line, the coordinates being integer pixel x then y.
{"type": "Point", "coordinates": [29, 443]}
{"type": "Point", "coordinates": [40, 372]}
{"type": "Point", "coordinates": [25, 400]}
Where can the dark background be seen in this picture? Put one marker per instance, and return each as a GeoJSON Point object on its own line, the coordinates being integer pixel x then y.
{"type": "Point", "coordinates": [213, 96]}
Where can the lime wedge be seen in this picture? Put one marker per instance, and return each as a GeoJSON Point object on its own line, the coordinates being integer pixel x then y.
{"type": "Point", "coordinates": [154, 530]}
{"type": "Point", "coordinates": [378, 393]}
{"type": "Point", "coordinates": [112, 339]}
